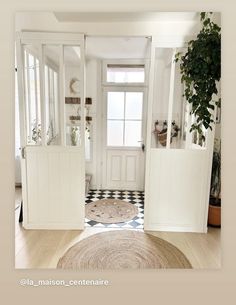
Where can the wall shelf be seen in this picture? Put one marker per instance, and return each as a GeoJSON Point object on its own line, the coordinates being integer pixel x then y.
{"type": "Point", "coordinates": [78, 117]}
{"type": "Point", "coordinates": [76, 100]}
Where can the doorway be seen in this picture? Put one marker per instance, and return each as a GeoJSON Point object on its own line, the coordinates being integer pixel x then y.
{"type": "Point", "coordinates": [124, 121]}
{"type": "Point", "coordinates": [118, 123]}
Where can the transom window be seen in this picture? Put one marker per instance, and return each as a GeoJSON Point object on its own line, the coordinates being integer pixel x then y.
{"type": "Point", "coordinates": [124, 73]}
{"type": "Point", "coordinates": [124, 118]}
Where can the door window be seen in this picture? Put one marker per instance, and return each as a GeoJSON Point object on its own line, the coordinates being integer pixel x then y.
{"type": "Point", "coordinates": [124, 118]}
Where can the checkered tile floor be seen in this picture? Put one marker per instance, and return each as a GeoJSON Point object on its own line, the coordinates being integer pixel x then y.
{"type": "Point", "coordinates": [134, 197]}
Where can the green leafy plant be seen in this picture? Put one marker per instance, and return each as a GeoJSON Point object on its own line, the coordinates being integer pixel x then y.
{"type": "Point", "coordinates": [36, 133]}
{"type": "Point", "coordinates": [200, 68]}
{"type": "Point", "coordinates": [216, 174]}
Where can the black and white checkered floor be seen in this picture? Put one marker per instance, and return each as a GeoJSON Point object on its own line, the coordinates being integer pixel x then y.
{"type": "Point", "coordinates": [134, 197]}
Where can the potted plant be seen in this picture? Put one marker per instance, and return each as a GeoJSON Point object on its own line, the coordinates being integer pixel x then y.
{"type": "Point", "coordinates": [200, 69]}
{"type": "Point", "coordinates": [214, 214]}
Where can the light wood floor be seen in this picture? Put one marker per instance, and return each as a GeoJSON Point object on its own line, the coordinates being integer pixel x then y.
{"type": "Point", "coordinates": [43, 248]}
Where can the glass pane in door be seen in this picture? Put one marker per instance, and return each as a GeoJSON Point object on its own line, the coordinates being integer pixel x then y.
{"type": "Point", "coordinates": [133, 131]}
{"type": "Point", "coordinates": [115, 105]}
{"type": "Point", "coordinates": [134, 105]}
{"type": "Point", "coordinates": [115, 133]}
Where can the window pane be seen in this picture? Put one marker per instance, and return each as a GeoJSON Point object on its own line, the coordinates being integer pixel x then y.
{"type": "Point", "coordinates": [32, 68]}
{"type": "Point", "coordinates": [125, 73]}
{"type": "Point", "coordinates": [73, 78]}
{"type": "Point", "coordinates": [134, 105]}
{"type": "Point", "coordinates": [115, 133]}
{"type": "Point", "coordinates": [51, 58]}
{"type": "Point", "coordinates": [32, 97]}
{"type": "Point", "coordinates": [46, 90]}
{"type": "Point", "coordinates": [133, 133]}
{"type": "Point", "coordinates": [115, 105]}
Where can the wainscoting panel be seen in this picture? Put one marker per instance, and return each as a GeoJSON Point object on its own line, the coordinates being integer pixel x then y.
{"type": "Point", "coordinates": [115, 168]}
{"type": "Point", "coordinates": [55, 188]}
{"type": "Point", "coordinates": [124, 169]}
{"type": "Point", "coordinates": [131, 168]}
{"type": "Point", "coordinates": [175, 195]}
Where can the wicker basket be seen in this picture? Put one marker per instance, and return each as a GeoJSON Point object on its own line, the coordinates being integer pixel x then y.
{"type": "Point", "coordinates": [162, 137]}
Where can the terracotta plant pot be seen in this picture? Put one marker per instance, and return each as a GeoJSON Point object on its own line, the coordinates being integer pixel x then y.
{"type": "Point", "coordinates": [214, 215]}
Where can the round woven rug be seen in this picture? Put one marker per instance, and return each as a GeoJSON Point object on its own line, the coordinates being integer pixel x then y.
{"type": "Point", "coordinates": [123, 249]}
{"type": "Point", "coordinates": [110, 211]}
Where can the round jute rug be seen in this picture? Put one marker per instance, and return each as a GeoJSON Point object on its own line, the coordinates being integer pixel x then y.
{"type": "Point", "coordinates": [110, 211]}
{"type": "Point", "coordinates": [123, 249]}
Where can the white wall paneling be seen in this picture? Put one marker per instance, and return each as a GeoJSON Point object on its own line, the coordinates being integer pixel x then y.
{"type": "Point", "coordinates": [176, 190]}
{"type": "Point", "coordinates": [54, 190]}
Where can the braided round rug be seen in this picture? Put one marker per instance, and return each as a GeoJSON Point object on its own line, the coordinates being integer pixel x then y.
{"type": "Point", "coordinates": [123, 249]}
{"type": "Point", "coordinates": [110, 211]}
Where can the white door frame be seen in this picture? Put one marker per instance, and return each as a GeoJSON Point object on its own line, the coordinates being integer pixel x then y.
{"type": "Point", "coordinates": [74, 216]}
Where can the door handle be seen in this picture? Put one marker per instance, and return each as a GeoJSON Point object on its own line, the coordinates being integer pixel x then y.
{"type": "Point", "coordinates": [142, 145]}
{"type": "Point", "coordinates": [22, 149]}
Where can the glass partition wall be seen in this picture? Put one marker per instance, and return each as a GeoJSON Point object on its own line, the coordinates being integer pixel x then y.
{"type": "Point", "coordinates": [51, 72]}
{"type": "Point", "coordinates": [171, 114]}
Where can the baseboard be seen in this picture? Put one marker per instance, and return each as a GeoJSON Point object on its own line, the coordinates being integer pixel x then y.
{"type": "Point", "coordinates": [174, 228]}
{"type": "Point", "coordinates": [53, 226]}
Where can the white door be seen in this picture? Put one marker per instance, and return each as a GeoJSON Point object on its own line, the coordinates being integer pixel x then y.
{"type": "Point", "coordinates": [177, 168]}
{"type": "Point", "coordinates": [50, 70]}
{"type": "Point", "coordinates": [124, 126]}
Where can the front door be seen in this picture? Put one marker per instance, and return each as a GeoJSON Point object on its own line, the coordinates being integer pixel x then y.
{"type": "Point", "coordinates": [50, 70]}
{"type": "Point", "coordinates": [124, 123]}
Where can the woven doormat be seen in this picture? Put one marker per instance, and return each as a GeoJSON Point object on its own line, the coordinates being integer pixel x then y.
{"type": "Point", "coordinates": [110, 211]}
{"type": "Point", "coordinates": [123, 249]}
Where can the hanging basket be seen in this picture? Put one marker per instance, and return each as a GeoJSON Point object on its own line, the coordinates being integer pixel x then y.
{"type": "Point", "coordinates": [162, 137]}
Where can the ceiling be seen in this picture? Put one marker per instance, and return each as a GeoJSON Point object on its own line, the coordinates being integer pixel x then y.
{"type": "Point", "coordinates": [117, 47]}
{"type": "Point", "coordinates": [125, 16]}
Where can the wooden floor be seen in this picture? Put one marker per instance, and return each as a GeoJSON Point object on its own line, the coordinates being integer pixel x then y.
{"type": "Point", "coordinates": [42, 248]}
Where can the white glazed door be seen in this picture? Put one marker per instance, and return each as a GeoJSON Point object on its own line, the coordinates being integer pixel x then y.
{"type": "Point", "coordinates": [124, 126]}
{"type": "Point", "coordinates": [177, 168]}
{"type": "Point", "coordinates": [50, 70]}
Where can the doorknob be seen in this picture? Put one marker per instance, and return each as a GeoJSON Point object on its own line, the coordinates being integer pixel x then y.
{"type": "Point", "coordinates": [22, 149]}
{"type": "Point", "coordinates": [142, 145]}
